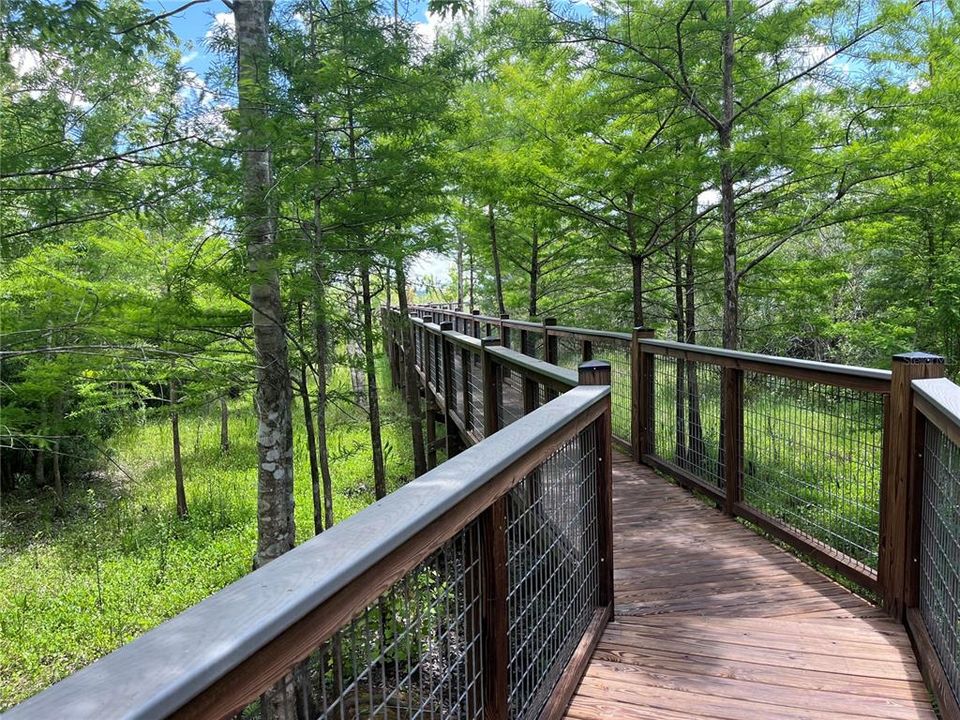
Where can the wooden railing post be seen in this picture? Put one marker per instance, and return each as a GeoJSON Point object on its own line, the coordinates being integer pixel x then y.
{"type": "Point", "coordinates": [476, 324]}
{"type": "Point", "coordinates": [641, 394]}
{"type": "Point", "coordinates": [495, 612]}
{"type": "Point", "coordinates": [732, 424]}
{"type": "Point", "coordinates": [586, 350]}
{"type": "Point", "coordinates": [597, 372]}
{"type": "Point", "coordinates": [491, 387]}
{"type": "Point", "coordinates": [899, 506]}
{"type": "Point", "coordinates": [551, 348]}
{"type": "Point", "coordinates": [504, 330]}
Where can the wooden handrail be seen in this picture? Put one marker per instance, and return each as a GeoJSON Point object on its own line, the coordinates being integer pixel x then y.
{"type": "Point", "coordinates": [228, 649]}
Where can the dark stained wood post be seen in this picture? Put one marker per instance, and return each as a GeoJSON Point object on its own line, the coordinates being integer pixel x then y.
{"type": "Point", "coordinates": [491, 387]}
{"type": "Point", "coordinates": [732, 424]}
{"type": "Point", "coordinates": [597, 372]}
{"type": "Point", "coordinates": [586, 350]}
{"type": "Point", "coordinates": [504, 330]}
{"type": "Point", "coordinates": [641, 394]}
{"type": "Point", "coordinates": [495, 629]}
{"type": "Point", "coordinates": [551, 350]}
{"type": "Point", "coordinates": [901, 484]}
{"type": "Point", "coordinates": [476, 324]}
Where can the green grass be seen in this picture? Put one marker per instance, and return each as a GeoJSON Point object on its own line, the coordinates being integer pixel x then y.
{"type": "Point", "coordinates": [121, 562]}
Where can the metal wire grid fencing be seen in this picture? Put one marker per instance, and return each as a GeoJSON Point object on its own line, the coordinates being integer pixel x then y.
{"type": "Point", "coordinates": [509, 396]}
{"type": "Point", "coordinates": [553, 569]}
{"type": "Point", "coordinates": [418, 344]}
{"type": "Point", "coordinates": [414, 653]}
{"type": "Point", "coordinates": [617, 353]}
{"type": "Point", "coordinates": [812, 458]}
{"type": "Point", "coordinates": [569, 352]}
{"type": "Point", "coordinates": [686, 415]}
{"type": "Point", "coordinates": [437, 355]}
{"type": "Point", "coordinates": [940, 550]}
{"type": "Point", "coordinates": [475, 381]}
{"type": "Point", "coordinates": [456, 380]}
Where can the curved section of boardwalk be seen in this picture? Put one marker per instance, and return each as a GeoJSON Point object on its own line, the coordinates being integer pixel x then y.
{"type": "Point", "coordinates": [714, 621]}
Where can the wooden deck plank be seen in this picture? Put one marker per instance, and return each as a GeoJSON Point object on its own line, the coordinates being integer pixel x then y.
{"type": "Point", "coordinates": [713, 621]}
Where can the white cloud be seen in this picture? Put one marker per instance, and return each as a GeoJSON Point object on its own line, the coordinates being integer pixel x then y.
{"type": "Point", "coordinates": [222, 21]}
{"type": "Point", "coordinates": [430, 265]}
{"type": "Point", "coordinates": [24, 61]}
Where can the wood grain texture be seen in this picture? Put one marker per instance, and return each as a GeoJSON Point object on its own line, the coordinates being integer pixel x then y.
{"type": "Point", "coordinates": [713, 621]}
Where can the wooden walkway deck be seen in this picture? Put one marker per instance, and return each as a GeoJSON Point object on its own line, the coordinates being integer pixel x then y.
{"type": "Point", "coordinates": [714, 621]}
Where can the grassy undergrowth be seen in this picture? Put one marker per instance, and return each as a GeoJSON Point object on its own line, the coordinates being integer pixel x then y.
{"type": "Point", "coordinates": [121, 562]}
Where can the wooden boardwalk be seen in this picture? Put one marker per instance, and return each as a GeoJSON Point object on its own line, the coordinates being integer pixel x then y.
{"type": "Point", "coordinates": [714, 621]}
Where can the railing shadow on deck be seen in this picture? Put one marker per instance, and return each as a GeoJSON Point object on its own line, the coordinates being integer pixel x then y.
{"type": "Point", "coordinates": [856, 468]}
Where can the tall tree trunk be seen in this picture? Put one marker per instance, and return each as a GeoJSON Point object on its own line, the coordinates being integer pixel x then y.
{"type": "Point", "coordinates": [275, 524]}
{"type": "Point", "coordinates": [459, 270]}
{"type": "Point", "coordinates": [636, 262]}
{"type": "Point", "coordinates": [320, 325]}
{"type": "Point", "coordinates": [731, 280]}
{"type": "Point", "coordinates": [472, 303]}
{"type": "Point", "coordinates": [275, 519]}
{"type": "Point", "coordinates": [695, 429]}
{"type": "Point", "coordinates": [414, 410]}
{"type": "Point", "coordinates": [224, 425]}
{"type": "Point", "coordinates": [636, 267]}
{"type": "Point", "coordinates": [497, 278]}
{"type": "Point", "coordinates": [373, 398]}
{"type": "Point", "coordinates": [534, 273]}
{"type": "Point", "coordinates": [304, 389]}
{"type": "Point", "coordinates": [177, 459]}
{"type": "Point", "coordinates": [57, 476]}
{"type": "Point", "coordinates": [679, 315]}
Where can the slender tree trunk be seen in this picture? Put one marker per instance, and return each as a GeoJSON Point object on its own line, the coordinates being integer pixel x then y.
{"type": "Point", "coordinates": [472, 303]}
{"type": "Point", "coordinates": [679, 315]}
{"type": "Point", "coordinates": [731, 280]}
{"type": "Point", "coordinates": [57, 477]}
{"type": "Point", "coordinates": [304, 389]}
{"type": "Point", "coordinates": [320, 325]}
{"type": "Point", "coordinates": [534, 273]}
{"type": "Point", "coordinates": [459, 270]}
{"type": "Point", "coordinates": [636, 262]}
{"type": "Point", "coordinates": [497, 278]}
{"type": "Point", "coordinates": [373, 398]}
{"type": "Point", "coordinates": [414, 410]}
{"type": "Point", "coordinates": [177, 459]}
{"type": "Point", "coordinates": [273, 396]}
{"type": "Point", "coordinates": [275, 520]}
{"type": "Point", "coordinates": [224, 425]}
{"type": "Point", "coordinates": [636, 267]}
{"type": "Point", "coordinates": [695, 429]}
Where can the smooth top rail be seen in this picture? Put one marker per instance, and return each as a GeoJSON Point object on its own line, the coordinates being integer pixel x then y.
{"type": "Point", "coordinates": [942, 400]}
{"type": "Point", "coordinates": [165, 669]}
{"type": "Point", "coordinates": [547, 371]}
{"type": "Point", "coordinates": [749, 360]}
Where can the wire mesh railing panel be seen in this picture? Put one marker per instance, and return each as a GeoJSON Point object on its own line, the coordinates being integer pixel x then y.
{"type": "Point", "coordinates": [456, 380]}
{"type": "Point", "coordinates": [940, 551]}
{"type": "Point", "coordinates": [416, 652]}
{"type": "Point", "coordinates": [509, 396]}
{"type": "Point", "coordinates": [569, 353]}
{"type": "Point", "coordinates": [418, 345]}
{"type": "Point", "coordinates": [686, 409]}
{"type": "Point", "coordinates": [475, 377]}
{"type": "Point", "coordinates": [438, 368]}
{"type": "Point", "coordinates": [812, 459]}
{"type": "Point", "coordinates": [553, 569]}
{"type": "Point", "coordinates": [617, 353]}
